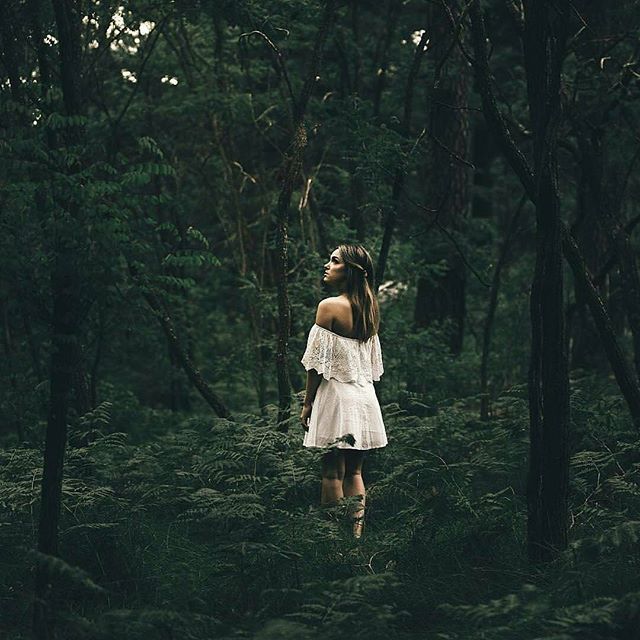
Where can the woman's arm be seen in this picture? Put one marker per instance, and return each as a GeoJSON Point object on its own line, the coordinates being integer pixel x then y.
{"type": "Point", "coordinates": [325, 313]}
{"type": "Point", "coordinates": [313, 382]}
{"type": "Point", "coordinates": [324, 318]}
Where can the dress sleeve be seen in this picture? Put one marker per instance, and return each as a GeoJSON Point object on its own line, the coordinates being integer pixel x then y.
{"type": "Point", "coordinates": [376, 358]}
{"type": "Point", "coordinates": [319, 354]}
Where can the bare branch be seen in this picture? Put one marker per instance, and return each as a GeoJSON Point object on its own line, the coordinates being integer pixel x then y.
{"type": "Point", "coordinates": [452, 153]}
{"type": "Point", "coordinates": [278, 57]}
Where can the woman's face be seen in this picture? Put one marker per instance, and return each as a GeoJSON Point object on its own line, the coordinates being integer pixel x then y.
{"type": "Point", "coordinates": [335, 270]}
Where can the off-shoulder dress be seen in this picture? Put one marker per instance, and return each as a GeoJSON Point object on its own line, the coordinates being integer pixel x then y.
{"type": "Point", "coordinates": [345, 402]}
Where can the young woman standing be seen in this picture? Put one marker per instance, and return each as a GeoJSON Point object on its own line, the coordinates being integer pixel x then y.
{"type": "Point", "coordinates": [343, 357]}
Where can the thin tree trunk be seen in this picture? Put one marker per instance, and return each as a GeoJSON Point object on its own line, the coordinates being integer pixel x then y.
{"type": "Point", "coordinates": [93, 378]}
{"type": "Point", "coordinates": [442, 299]}
{"type": "Point", "coordinates": [612, 258]}
{"type": "Point", "coordinates": [8, 351]}
{"type": "Point", "coordinates": [357, 190]}
{"type": "Point", "coordinates": [290, 171]}
{"type": "Point", "coordinates": [398, 181]}
{"type": "Point", "coordinates": [34, 348]}
{"type": "Point", "coordinates": [182, 356]}
{"type": "Point", "coordinates": [627, 267]}
{"type": "Point", "coordinates": [487, 329]}
{"type": "Point", "coordinates": [484, 152]}
{"type": "Point", "coordinates": [65, 285]}
{"type": "Point", "coordinates": [394, 8]}
{"type": "Point", "coordinates": [623, 373]}
{"type": "Point", "coordinates": [589, 237]}
{"type": "Point", "coordinates": [81, 387]}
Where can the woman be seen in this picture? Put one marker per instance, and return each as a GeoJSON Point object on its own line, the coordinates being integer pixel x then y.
{"type": "Point", "coordinates": [342, 359]}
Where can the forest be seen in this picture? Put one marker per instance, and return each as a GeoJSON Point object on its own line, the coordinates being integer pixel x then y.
{"type": "Point", "coordinates": [173, 177]}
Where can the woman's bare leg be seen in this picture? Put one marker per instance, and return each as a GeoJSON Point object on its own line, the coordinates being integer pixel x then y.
{"type": "Point", "coordinates": [353, 485]}
{"type": "Point", "coordinates": [332, 477]}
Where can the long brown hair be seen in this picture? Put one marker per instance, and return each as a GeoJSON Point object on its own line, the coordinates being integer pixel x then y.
{"type": "Point", "coordinates": [360, 290]}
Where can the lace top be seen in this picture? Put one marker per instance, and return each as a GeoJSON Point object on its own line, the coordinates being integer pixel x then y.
{"type": "Point", "coordinates": [342, 358]}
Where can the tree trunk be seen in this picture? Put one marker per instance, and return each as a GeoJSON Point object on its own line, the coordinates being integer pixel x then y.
{"type": "Point", "coordinates": [483, 154]}
{"type": "Point", "coordinates": [442, 299]}
{"type": "Point", "coordinates": [623, 373]}
{"type": "Point", "coordinates": [381, 60]}
{"type": "Point", "coordinates": [183, 358]}
{"type": "Point", "coordinates": [583, 332]}
{"type": "Point", "coordinates": [34, 346]}
{"type": "Point", "coordinates": [547, 488]}
{"type": "Point", "coordinates": [93, 378]}
{"type": "Point", "coordinates": [65, 340]}
{"type": "Point", "coordinates": [290, 171]}
{"type": "Point", "coordinates": [627, 262]}
{"type": "Point", "coordinates": [398, 181]}
{"type": "Point", "coordinates": [520, 166]}
{"type": "Point", "coordinates": [545, 33]}
{"type": "Point", "coordinates": [487, 330]}
{"type": "Point", "coordinates": [8, 351]}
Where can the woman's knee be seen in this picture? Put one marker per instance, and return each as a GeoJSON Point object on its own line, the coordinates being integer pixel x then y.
{"type": "Point", "coordinates": [333, 475]}
{"type": "Point", "coordinates": [333, 466]}
{"type": "Point", "coordinates": [352, 473]}
{"type": "Point", "coordinates": [353, 463]}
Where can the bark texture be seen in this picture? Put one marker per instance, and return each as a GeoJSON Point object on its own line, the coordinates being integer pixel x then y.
{"type": "Point", "coordinates": [65, 341]}
{"type": "Point", "coordinates": [442, 298]}
{"type": "Point", "coordinates": [545, 33]}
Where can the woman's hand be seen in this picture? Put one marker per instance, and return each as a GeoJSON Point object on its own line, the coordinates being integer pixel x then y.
{"type": "Point", "coordinates": [305, 414]}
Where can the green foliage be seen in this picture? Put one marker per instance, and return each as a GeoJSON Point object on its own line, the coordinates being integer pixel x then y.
{"type": "Point", "coordinates": [176, 524]}
{"type": "Point", "coordinates": [213, 527]}
{"type": "Point", "coordinates": [64, 573]}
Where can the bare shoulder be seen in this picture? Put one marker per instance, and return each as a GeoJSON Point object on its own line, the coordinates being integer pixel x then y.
{"type": "Point", "coordinates": [328, 310]}
{"type": "Point", "coordinates": [334, 302]}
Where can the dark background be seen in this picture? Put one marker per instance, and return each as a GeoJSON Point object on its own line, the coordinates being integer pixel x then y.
{"type": "Point", "coordinates": [174, 176]}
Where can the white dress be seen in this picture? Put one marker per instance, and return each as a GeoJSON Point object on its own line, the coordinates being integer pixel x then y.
{"type": "Point", "coordinates": [345, 401]}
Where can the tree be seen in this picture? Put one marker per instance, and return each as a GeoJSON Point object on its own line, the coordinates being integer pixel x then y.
{"type": "Point", "coordinates": [544, 34]}
{"type": "Point", "coordinates": [441, 298]}
{"type": "Point", "coordinates": [290, 171]}
{"type": "Point", "coordinates": [66, 315]}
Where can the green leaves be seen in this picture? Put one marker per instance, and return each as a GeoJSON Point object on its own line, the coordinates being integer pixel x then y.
{"type": "Point", "coordinates": [58, 121]}
{"type": "Point", "coordinates": [223, 519]}
{"type": "Point", "coordinates": [190, 259]}
{"type": "Point", "coordinates": [142, 174]}
{"type": "Point", "coordinates": [61, 570]}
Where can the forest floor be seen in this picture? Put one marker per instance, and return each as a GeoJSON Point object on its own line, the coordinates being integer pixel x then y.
{"type": "Point", "coordinates": [212, 528]}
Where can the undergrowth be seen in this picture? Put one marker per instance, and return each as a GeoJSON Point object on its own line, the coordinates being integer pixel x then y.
{"type": "Point", "coordinates": [212, 529]}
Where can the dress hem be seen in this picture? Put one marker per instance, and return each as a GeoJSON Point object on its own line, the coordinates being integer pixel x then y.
{"type": "Point", "coordinates": [328, 446]}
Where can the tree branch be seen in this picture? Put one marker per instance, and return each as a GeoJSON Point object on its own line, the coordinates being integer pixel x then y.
{"type": "Point", "coordinates": [495, 119]}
